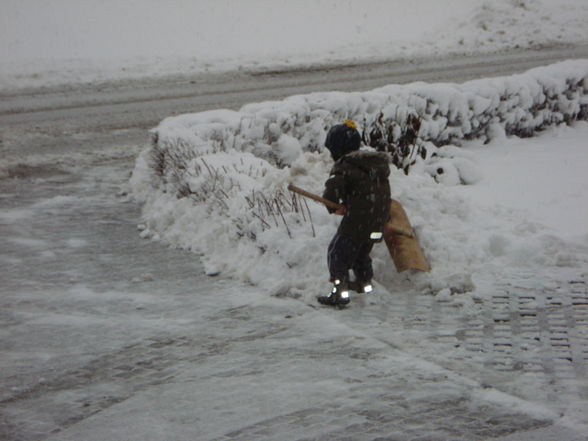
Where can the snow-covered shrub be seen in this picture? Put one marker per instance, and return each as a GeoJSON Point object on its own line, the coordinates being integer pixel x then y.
{"type": "Point", "coordinates": [521, 105]}
{"type": "Point", "coordinates": [399, 140]}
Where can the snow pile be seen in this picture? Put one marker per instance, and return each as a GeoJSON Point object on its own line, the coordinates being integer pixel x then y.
{"type": "Point", "coordinates": [215, 182]}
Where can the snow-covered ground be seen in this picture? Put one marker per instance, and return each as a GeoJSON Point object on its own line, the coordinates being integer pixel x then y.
{"type": "Point", "coordinates": [108, 335]}
{"type": "Point", "coordinates": [65, 41]}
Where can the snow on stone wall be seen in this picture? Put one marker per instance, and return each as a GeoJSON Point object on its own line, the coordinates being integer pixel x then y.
{"type": "Point", "coordinates": [215, 182]}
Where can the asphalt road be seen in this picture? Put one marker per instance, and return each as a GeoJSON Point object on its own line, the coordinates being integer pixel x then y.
{"type": "Point", "coordinates": [143, 103]}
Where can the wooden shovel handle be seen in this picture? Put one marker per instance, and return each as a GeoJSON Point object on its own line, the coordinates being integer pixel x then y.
{"type": "Point", "coordinates": [315, 197]}
{"type": "Point", "coordinates": [336, 206]}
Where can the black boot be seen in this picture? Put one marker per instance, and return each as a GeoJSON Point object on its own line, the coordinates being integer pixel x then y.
{"type": "Point", "coordinates": [339, 295]}
{"type": "Point", "coordinates": [361, 286]}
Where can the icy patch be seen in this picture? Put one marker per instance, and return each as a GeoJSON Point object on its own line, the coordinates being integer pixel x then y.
{"type": "Point", "coordinates": [76, 243]}
{"type": "Point", "coordinates": [15, 215]}
{"type": "Point", "coordinates": [57, 201]}
{"type": "Point", "coordinates": [145, 277]}
{"type": "Point", "coordinates": [28, 242]}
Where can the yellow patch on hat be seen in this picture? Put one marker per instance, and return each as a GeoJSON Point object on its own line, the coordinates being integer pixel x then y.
{"type": "Point", "coordinates": [350, 123]}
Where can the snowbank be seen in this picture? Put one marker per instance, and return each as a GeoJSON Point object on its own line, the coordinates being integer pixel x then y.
{"type": "Point", "coordinates": [215, 182]}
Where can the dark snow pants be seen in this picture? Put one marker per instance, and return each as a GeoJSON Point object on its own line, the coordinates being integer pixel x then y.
{"type": "Point", "coordinates": [344, 254]}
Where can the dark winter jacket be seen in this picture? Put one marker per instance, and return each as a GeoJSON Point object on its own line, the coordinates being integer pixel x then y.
{"type": "Point", "coordinates": [359, 180]}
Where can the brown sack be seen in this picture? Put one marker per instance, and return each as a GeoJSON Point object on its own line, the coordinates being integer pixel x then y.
{"type": "Point", "coordinates": [404, 248]}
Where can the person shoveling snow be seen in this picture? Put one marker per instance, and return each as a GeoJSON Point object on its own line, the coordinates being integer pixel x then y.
{"type": "Point", "coordinates": [358, 189]}
{"type": "Point", "coordinates": [358, 181]}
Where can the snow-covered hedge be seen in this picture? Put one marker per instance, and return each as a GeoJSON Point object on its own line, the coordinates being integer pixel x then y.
{"type": "Point", "coordinates": [215, 181]}
{"type": "Point", "coordinates": [279, 131]}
